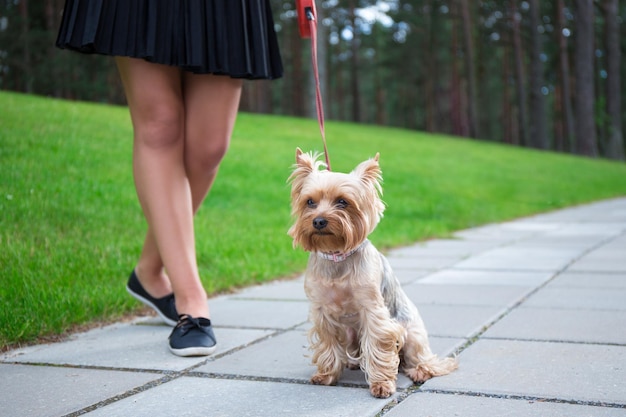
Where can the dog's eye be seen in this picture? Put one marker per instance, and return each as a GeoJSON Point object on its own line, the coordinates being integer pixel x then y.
{"type": "Point", "coordinates": [341, 203]}
{"type": "Point", "coordinates": [310, 203]}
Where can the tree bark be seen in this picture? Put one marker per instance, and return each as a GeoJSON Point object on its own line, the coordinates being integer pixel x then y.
{"type": "Point", "coordinates": [432, 72]}
{"type": "Point", "coordinates": [354, 67]}
{"type": "Point", "coordinates": [26, 71]}
{"type": "Point", "coordinates": [586, 142]}
{"type": "Point", "coordinates": [470, 69]}
{"type": "Point", "coordinates": [455, 87]}
{"type": "Point", "coordinates": [564, 78]}
{"type": "Point", "coordinates": [615, 143]}
{"type": "Point", "coordinates": [519, 72]}
{"type": "Point", "coordinates": [510, 134]}
{"type": "Point", "coordinates": [538, 134]}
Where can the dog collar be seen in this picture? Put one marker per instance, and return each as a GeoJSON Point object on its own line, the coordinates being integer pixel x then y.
{"type": "Point", "coordinates": [339, 256]}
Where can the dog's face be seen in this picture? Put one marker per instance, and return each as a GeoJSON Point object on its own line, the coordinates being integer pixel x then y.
{"type": "Point", "coordinates": [334, 212]}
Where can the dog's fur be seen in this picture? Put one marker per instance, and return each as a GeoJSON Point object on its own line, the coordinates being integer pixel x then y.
{"type": "Point", "coordinates": [361, 316]}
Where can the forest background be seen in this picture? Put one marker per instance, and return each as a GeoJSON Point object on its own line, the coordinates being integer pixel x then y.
{"type": "Point", "coordinates": [541, 74]}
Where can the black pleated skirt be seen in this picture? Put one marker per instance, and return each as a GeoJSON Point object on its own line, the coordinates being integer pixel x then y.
{"type": "Point", "coordinates": [224, 37]}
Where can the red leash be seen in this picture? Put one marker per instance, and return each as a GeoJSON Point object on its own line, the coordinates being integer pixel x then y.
{"type": "Point", "coordinates": [307, 23]}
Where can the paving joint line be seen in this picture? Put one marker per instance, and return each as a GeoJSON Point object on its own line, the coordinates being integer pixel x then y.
{"type": "Point", "coordinates": [568, 342]}
{"type": "Point", "coordinates": [554, 400]}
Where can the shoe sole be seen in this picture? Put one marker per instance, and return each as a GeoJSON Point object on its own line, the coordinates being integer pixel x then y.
{"type": "Point", "coordinates": [193, 351]}
{"type": "Point", "coordinates": [147, 302]}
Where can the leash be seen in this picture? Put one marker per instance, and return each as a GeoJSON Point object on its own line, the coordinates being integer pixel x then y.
{"type": "Point", "coordinates": [307, 24]}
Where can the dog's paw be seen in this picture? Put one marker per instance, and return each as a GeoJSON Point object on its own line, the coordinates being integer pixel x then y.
{"type": "Point", "coordinates": [321, 379]}
{"type": "Point", "coordinates": [383, 389]}
{"type": "Point", "coordinates": [419, 375]}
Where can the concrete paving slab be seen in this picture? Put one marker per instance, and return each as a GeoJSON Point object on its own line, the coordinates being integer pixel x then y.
{"type": "Point", "coordinates": [531, 227]}
{"type": "Point", "coordinates": [523, 259]}
{"type": "Point", "coordinates": [228, 311]}
{"type": "Point", "coordinates": [34, 391]}
{"type": "Point", "coordinates": [494, 233]}
{"type": "Point", "coordinates": [441, 247]}
{"type": "Point", "coordinates": [423, 262]}
{"type": "Point", "coordinates": [201, 397]}
{"type": "Point", "coordinates": [579, 298]}
{"type": "Point", "coordinates": [594, 231]}
{"type": "Point", "coordinates": [275, 290]}
{"type": "Point", "coordinates": [589, 326]}
{"type": "Point", "coordinates": [461, 322]}
{"type": "Point", "coordinates": [609, 211]}
{"type": "Point", "coordinates": [588, 264]}
{"type": "Point", "coordinates": [487, 277]}
{"type": "Point", "coordinates": [409, 276]}
{"type": "Point", "coordinates": [618, 243]}
{"type": "Point", "coordinates": [474, 295]}
{"type": "Point", "coordinates": [574, 279]}
{"type": "Point", "coordinates": [613, 249]}
{"type": "Point", "coordinates": [578, 243]}
{"type": "Point", "coordinates": [568, 372]}
{"type": "Point", "coordinates": [515, 252]}
{"type": "Point", "coordinates": [126, 346]}
{"type": "Point", "coordinates": [448, 405]}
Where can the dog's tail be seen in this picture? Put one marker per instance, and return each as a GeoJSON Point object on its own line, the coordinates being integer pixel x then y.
{"type": "Point", "coordinates": [420, 363]}
{"type": "Point", "coordinates": [431, 365]}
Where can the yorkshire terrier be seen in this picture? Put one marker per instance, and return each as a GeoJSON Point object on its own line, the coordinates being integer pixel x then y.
{"type": "Point", "coordinates": [361, 316]}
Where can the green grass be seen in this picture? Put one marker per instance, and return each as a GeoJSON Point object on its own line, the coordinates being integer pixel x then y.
{"type": "Point", "coordinates": [71, 228]}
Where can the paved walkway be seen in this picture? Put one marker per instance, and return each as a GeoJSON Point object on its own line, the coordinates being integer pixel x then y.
{"type": "Point", "coordinates": [535, 308]}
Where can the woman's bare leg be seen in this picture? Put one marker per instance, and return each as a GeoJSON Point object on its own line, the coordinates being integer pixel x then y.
{"type": "Point", "coordinates": [211, 104]}
{"type": "Point", "coordinates": [155, 98]}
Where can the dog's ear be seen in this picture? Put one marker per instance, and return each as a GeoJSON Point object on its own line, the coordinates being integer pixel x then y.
{"type": "Point", "coordinates": [305, 164]}
{"type": "Point", "coordinates": [369, 171]}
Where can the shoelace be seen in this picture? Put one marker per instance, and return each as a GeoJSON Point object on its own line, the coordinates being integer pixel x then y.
{"type": "Point", "coordinates": [187, 323]}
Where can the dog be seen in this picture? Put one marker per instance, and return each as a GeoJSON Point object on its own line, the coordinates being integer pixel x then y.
{"type": "Point", "coordinates": [361, 316]}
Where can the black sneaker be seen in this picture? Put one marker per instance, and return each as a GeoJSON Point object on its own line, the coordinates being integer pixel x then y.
{"type": "Point", "coordinates": [165, 307]}
{"type": "Point", "coordinates": [192, 337]}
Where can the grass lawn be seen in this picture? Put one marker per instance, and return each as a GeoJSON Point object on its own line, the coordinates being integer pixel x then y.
{"type": "Point", "coordinates": [71, 227]}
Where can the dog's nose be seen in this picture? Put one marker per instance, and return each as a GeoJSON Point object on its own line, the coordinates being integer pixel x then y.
{"type": "Point", "coordinates": [319, 223]}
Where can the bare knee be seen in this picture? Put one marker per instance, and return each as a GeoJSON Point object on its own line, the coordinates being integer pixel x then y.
{"type": "Point", "coordinates": [160, 127]}
{"type": "Point", "coordinates": [206, 155]}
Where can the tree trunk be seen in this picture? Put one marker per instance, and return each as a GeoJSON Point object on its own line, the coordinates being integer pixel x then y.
{"type": "Point", "coordinates": [455, 87]}
{"type": "Point", "coordinates": [586, 142]}
{"type": "Point", "coordinates": [470, 70]}
{"type": "Point", "coordinates": [564, 78]}
{"type": "Point", "coordinates": [508, 131]}
{"type": "Point", "coordinates": [538, 133]}
{"type": "Point", "coordinates": [432, 73]}
{"type": "Point", "coordinates": [615, 143]}
{"type": "Point", "coordinates": [298, 76]}
{"type": "Point", "coordinates": [519, 72]}
{"type": "Point", "coordinates": [340, 88]}
{"type": "Point", "coordinates": [354, 67]}
{"type": "Point", "coordinates": [26, 71]}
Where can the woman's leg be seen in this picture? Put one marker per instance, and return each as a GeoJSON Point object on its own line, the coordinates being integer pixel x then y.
{"type": "Point", "coordinates": [155, 98]}
{"type": "Point", "coordinates": [211, 104]}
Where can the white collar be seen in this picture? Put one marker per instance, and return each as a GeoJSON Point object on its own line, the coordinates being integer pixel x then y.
{"type": "Point", "coordinates": [340, 256]}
